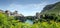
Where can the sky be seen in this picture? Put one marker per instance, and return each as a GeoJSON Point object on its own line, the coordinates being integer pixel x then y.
{"type": "Point", "coordinates": [25, 7]}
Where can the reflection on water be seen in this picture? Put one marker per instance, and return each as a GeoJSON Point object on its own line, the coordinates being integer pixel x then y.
{"type": "Point", "coordinates": [29, 22]}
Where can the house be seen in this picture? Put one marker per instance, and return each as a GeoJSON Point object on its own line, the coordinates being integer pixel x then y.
{"type": "Point", "coordinates": [15, 13]}
{"type": "Point", "coordinates": [1, 11]}
{"type": "Point", "coordinates": [38, 15]}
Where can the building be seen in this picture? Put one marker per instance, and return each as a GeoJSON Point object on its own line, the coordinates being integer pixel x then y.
{"type": "Point", "coordinates": [7, 12]}
{"type": "Point", "coordinates": [1, 11]}
{"type": "Point", "coordinates": [15, 13]}
{"type": "Point", "coordinates": [38, 15]}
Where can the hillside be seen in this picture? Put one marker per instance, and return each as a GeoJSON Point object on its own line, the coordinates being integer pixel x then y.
{"type": "Point", "coordinates": [52, 8]}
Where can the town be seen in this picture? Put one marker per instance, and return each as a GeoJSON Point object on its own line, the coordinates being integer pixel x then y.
{"type": "Point", "coordinates": [43, 17]}
{"type": "Point", "coordinates": [21, 17]}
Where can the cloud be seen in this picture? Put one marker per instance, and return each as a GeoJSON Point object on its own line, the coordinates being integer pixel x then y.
{"type": "Point", "coordinates": [21, 1]}
{"type": "Point", "coordinates": [29, 9]}
{"type": "Point", "coordinates": [26, 7]}
{"type": "Point", "coordinates": [28, 1]}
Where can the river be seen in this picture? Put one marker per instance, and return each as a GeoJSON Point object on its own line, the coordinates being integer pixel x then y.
{"type": "Point", "coordinates": [29, 21]}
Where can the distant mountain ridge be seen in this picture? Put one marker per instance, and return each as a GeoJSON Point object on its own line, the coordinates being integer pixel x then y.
{"type": "Point", "coordinates": [52, 8]}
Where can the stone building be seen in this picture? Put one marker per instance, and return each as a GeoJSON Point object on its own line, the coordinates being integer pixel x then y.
{"type": "Point", "coordinates": [7, 12]}
{"type": "Point", "coordinates": [15, 13]}
{"type": "Point", "coordinates": [38, 15]}
{"type": "Point", "coordinates": [1, 11]}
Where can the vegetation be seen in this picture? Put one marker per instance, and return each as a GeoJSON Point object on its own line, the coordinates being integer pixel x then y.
{"type": "Point", "coordinates": [10, 22]}
{"type": "Point", "coordinates": [52, 9]}
{"type": "Point", "coordinates": [51, 20]}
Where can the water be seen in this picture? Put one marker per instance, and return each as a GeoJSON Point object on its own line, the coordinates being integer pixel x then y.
{"type": "Point", "coordinates": [29, 22]}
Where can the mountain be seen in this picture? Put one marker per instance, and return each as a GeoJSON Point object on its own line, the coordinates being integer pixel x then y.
{"type": "Point", "coordinates": [52, 8]}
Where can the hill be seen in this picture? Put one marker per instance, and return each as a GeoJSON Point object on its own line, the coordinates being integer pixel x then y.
{"type": "Point", "coordinates": [52, 8]}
